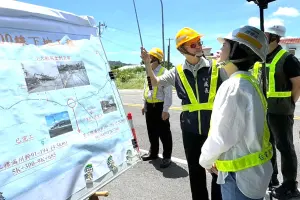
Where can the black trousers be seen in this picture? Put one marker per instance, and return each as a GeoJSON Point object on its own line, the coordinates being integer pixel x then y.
{"type": "Point", "coordinates": [158, 128]}
{"type": "Point", "coordinates": [192, 145]}
{"type": "Point", "coordinates": [281, 128]}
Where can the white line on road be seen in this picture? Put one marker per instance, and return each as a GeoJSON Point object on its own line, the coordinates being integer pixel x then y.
{"type": "Point", "coordinates": [178, 160]}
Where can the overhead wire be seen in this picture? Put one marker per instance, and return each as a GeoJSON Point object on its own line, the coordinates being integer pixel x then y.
{"type": "Point", "coordinates": [126, 31]}
{"type": "Point", "coordinates": [118, 44]}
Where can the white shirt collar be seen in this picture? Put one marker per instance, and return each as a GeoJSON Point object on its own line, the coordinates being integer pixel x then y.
{"type": "Point", "coordinates": [202, 63]}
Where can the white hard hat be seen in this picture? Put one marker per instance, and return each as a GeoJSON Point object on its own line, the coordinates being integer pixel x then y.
{"type": "Point", "coordinates": [221, 39]}
{"type": "Point", "coordinates": [251, 37]}
{"type": "Point", "coordinates": [276, 29]}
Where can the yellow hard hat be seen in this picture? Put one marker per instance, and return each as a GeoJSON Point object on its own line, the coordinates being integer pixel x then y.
{"type": "Point", "coordinates": [157, 53]}
{"type": "Point", "coordinates": [186, 34]}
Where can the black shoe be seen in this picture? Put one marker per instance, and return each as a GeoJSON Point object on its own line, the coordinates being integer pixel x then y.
{"type": "Point", "coordinates": [147, 157]}
{"type": "Point", "coordinates": [285, 192]}
{"type": "Point", "coordinates": [165, 163]}
{"type": "Point", "coordinates": [274, 182]}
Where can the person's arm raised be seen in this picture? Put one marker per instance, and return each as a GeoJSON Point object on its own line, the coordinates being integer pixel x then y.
{"type": "Point", "coordinates": [147, 61]}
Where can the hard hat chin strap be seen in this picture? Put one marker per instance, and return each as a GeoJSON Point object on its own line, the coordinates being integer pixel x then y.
{"type": "Point", "coordinates": [199, 55]}
{"type": "Point", "coordinates": [185, 52]}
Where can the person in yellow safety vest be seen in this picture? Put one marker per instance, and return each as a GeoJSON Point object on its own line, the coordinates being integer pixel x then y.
{"type": "Point", "coordinates": [283, 75]}
{"type": "Point", "coordinates": [196, 82]}
{"type": "Point", "coordinates": [238, 147]}
{"type": "Point", "coordinates": [156, 109]}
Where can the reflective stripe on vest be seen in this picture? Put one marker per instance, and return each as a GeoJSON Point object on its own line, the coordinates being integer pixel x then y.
{"type": "Point", "coordinates": [146, 91]}
{"type": "Point", "coordinates": [272, 69]}
{"type": "Point", "coordinates": [195, 105]}
{"type": "Point", "coordinates": [253, 159]}
{"type": "Point", "coordinates": [256, 68]}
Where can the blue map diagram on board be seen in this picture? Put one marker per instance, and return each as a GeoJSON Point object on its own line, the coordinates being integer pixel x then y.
{"type": "Point", "coordinates": [59, 111]}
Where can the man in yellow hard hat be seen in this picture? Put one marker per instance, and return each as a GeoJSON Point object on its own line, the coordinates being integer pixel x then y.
{"type": "Point", "coordinates": [196, 82]}
{"type": "Point", "coordinates": [156, 106]}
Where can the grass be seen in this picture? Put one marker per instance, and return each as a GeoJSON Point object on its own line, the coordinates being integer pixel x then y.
{"type": "Point", "coordinates": [133, 83]}
{"type": "Point", "coordinates": [130, 78]}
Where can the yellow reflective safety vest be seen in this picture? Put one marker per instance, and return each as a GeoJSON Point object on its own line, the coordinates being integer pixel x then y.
{"type": "Point", "coordinates": [154, 94]}
{"type": "Point", "coordinates": [194, 102]}
{"type": "Point", "coordinates": [272, 70]}
{"type": "Point", "coordinates": [257, 158]}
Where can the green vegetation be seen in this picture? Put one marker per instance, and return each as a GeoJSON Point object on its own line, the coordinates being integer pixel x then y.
{"type": "Point", "coordinates": [131, 78]}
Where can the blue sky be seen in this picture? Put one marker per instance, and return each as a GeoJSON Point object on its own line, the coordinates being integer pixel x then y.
{"type": "Point", "coordinates": [54, 118]}
{"type": "Point", "coordinates": [211, 18]}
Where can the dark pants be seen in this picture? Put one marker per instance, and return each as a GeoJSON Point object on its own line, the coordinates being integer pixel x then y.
{"type": "Point", "coordinates": [281, 128]}
{"type": "Point", "coordinates": [192, 145]}
{"type": "Point", "coordinates": [158, 128]}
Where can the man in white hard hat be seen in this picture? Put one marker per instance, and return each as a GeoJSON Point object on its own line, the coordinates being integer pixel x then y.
{"type": "Point", "coordinates": [238, 147]}
{"type": "Point", "coordinates": [283, 74]}
{"type": "Point", "coordinates": [156, 108]}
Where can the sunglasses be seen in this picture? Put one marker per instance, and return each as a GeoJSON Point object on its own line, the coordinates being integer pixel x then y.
{"type": "Point", "coordinates": [193, 45]}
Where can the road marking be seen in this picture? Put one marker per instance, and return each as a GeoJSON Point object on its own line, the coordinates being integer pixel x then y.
{"type": "Point", "coordinates": [181, 161]}
{"type": "Point", "coordinates": [173, 108]}
{"type": "Point", "coordinates": [178, 160]}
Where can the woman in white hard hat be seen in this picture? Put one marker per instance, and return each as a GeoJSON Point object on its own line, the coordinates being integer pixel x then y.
{"type": "Point", "coordinates": [238, 146]}
{"type": "Point", "coordinates": [225, 50]}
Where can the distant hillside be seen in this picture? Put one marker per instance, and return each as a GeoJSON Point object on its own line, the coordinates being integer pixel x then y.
{"type": "Point", "coordinates": [117, 63]}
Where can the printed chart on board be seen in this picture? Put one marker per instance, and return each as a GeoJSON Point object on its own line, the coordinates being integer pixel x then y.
{"type": "Point", "coordinates": [61, 119]}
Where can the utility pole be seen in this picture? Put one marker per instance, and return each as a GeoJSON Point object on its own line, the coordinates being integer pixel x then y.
{"type": "Point", "coordinates": [99, 27]}
{"type": "Point", "coordinates": [162, 28]}
{"type": "Point", "coordinates": [169, 54]}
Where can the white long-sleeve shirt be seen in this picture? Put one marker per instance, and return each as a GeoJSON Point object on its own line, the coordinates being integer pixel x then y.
{"type": "Point", "coordinates": [164, 93]}
{"type": "Point", "coordinates": [237, 125]}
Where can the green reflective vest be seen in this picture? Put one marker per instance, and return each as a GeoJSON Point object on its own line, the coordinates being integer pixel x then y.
{"type": "Point", "coordinates": [253, 159]}
{"type": "Point", "coordinates": [195, 105]}
{"type": "Point", "coordinates": [153, 99]}
{"type": "Point", "coordinates": [272, 69]}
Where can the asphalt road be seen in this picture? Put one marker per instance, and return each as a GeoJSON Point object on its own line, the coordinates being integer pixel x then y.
{"type": "Point", "coordinates": [146, 180]}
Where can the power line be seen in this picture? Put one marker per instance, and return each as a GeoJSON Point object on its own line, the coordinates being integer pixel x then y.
{"type": "Point", "coordinates": [126, 47]}
{"type": "Point", "coordinates": [126, 31]}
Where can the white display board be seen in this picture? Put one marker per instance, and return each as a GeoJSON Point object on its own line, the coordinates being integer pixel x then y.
{"type": "Point", "coordinates": [63, 129]}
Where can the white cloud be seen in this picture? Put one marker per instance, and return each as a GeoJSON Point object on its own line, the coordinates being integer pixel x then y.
{"type": "Point", "coordinates": [287, 11]}
{"type": "Point", "coordinates": [250, 3]}
{"type": "Point", "coordinates": [255, 21]}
